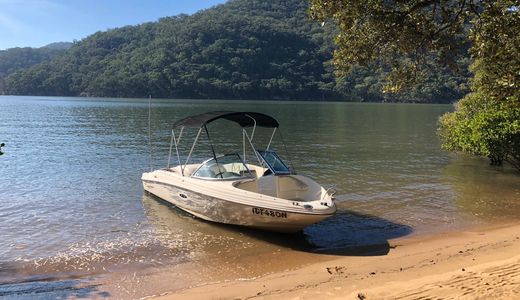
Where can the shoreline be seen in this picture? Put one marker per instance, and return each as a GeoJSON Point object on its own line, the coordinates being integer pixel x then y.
{"type": "Point", "coordinates": [482, 262]}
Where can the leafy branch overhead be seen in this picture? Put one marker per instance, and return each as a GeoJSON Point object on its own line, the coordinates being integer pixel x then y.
{"type": "Point", "coordinates": [385, 31]}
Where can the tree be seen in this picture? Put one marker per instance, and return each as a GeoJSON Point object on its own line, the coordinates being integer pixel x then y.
{"type": "Point", "coordinates": [487, 121]}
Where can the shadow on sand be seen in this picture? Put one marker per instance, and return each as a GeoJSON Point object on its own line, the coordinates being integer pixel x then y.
{"type": "Point", "coordinates": [346, 233]}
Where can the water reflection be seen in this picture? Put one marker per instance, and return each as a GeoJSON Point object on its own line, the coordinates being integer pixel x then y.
{"type": "Point", "coordinates": [483, 192]}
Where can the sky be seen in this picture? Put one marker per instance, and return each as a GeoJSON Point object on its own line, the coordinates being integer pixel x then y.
{"type": "Point", "coordinates": [36, 23]}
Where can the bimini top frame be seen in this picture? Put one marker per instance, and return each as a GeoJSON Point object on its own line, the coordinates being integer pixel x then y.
{"type": "Point", "coordinates": [244, 119]}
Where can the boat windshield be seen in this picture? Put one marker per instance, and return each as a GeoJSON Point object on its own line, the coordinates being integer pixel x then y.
{"type": "Point", "coordinates": [229, 166]}
{"type": "Point", "coordinates": [274, 162]}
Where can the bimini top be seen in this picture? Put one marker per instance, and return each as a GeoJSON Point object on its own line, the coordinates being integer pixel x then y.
{"type": "Point", "coordinates": [244, 119]}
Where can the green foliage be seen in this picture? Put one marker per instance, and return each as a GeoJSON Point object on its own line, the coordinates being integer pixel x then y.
{"type": "Point", "coordinates": [483, 127]}
{"type": "Point", "coordinates": [250, 49]}
{"type": "Point", "coordinates": [496, 51]}
{"type": "Point", "coordinates": [487, 121]}
{"type": "Point", "coordinates": [388, 31]}
{"type": "Point", "coordinates": [435, 84]}
{"type": "Point", "coordinates": [244, 49]}
{"type": "Point", "coordinates": [14, 59]}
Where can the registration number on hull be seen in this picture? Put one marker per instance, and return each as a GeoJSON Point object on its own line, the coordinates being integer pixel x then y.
{"type": "Point", "coordinates": [269, 213]}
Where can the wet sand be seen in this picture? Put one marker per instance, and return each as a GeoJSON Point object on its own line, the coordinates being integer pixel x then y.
{"type": "Point", "coordinates": [480, 263]}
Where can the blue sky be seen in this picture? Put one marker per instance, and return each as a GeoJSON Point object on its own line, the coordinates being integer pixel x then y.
{"type": "Point", "coordinates": [35, 23]}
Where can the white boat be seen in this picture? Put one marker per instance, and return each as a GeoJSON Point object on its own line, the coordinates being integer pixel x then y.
{"type": "Point", "coordinates": [266, 194]}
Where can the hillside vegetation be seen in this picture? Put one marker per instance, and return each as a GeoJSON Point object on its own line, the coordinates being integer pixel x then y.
{"type": "Point", "coordinates": [244, 49]}
{"type": "Point", "coordinates": [14, 59]}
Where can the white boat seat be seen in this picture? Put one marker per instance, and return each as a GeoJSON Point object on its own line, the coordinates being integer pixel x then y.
{"type": "Point", "coordinates": [286, 187]}
{"type": "Point", "coordinates": [267, 185]}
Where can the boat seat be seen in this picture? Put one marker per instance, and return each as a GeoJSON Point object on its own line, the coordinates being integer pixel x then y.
{"type": "Point", "coordinates": [291, 188]}
{"type": "Point", "coordinates": [287, 183]}
{"type": "Point", "coordinates": [249, 184]}
{"type": "Point", "coordinates": [267, 185]}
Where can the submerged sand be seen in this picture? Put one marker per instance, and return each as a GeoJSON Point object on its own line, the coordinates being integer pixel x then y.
{"type": "Point", "coordinates": [474, 264]}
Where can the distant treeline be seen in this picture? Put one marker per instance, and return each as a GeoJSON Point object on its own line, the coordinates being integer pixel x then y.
{"type": "Point", "coordinates": [14, 59]}
{"type": "Point", "coordinates": [244, 49]}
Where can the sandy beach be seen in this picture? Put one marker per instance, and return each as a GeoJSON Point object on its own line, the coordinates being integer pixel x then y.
{"type": "Point", "coordinates": [482, 263]}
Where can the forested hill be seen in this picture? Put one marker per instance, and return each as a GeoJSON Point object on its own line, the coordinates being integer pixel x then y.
{"type": "Point", "coordinates": [14, 59]}
{"type": "Point", "coordinates": [244, 49]}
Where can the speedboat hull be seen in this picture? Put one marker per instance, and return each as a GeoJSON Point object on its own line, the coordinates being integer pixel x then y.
{"type": "Point", "coordinates": [230, 205]}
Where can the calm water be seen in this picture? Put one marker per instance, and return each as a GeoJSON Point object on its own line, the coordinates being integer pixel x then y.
{"type": "Point", "coordinates": [71, 200]}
